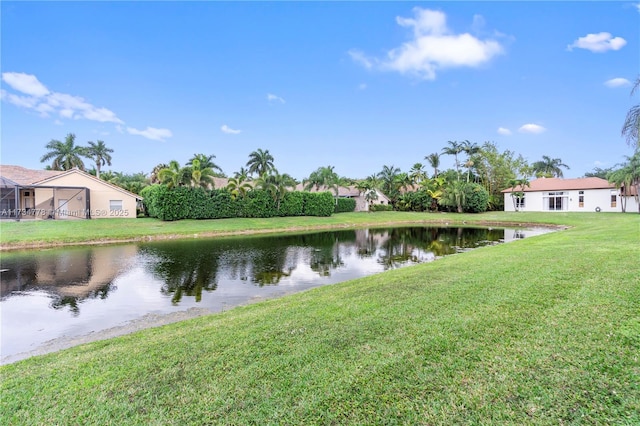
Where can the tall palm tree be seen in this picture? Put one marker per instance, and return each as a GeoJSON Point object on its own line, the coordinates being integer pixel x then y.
{"type": "Point", "coordinates": [631, 126]}
{"type": "Point", "coordinates": [260, 162]}
{"type": "Point", "coordinates": [471, 149]}
{"type": "Point", "coordinates": [550, 167]}
{"type": "Point", "coordinates": [454, 149]}
{"type": "Point", "coordinates": [242, 173]}
{"type": "Point", "coordinates": [322, 177]}
{"type": "Point", "coordinates": [66, 155]}
{"type": "Point", "coordinates": [206, 162]}
{"type": "Point", "coordinates": [434, 161]}
{"type": "Point", "coordinates": [100, 154]}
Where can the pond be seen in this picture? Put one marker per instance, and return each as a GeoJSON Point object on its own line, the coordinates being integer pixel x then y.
{"type": "Point", "coordinates": [55, 298]}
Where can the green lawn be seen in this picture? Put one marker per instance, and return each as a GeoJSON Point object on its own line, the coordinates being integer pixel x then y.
{"type": "Point", "coordinates": [544, 330]}
{"type": "Point", "coordinates": [46, 232]}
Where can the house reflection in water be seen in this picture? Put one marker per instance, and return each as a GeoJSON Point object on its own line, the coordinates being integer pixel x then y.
{"type": "Point", "coordinates": [68, 276]}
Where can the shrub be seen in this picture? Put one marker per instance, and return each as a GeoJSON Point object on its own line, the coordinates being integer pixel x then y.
{"type": "Point", "coordinates": [476, 198]}
{"type": "Point", "coordinates": [345, 205]}
{"type": "Point", "coordinates": [380, 208]}
{"type": "Point", "coordinates": [292, 204]}
{"type": "Point", "coordinates": [318, 203]}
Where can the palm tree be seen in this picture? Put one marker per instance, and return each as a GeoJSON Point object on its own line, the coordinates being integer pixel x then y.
{"type": "Point", "coordinates": [206, 162]}
{"type": "Point", "coordinates": [518, 196]}
{"type": "Point", "coordinates": [628, 176]}
{"type": "Point", "coordinates": [548, 167]}
{"type": "Point", "coordinates": [389, 183]}
{"type": "Point", "coordinates": [260, 162]}
{"type": "Point", "coordinates": [238, 186]}
{"type": "Point", "coordinates": [174, 175]}
{"type": "Point", "coordinates": [66, 155]}
{"type": "Point", "coordinates": [631, 126]}
{"type": "Point", "coordinates": [322, 177]}
{"type": "Point", "coordinates": [155, 173]}
{"type": "Point", "coordinates": [277, 184]}
{"type": "Point", "coordinates": [434, 161]}
{"type": "Point", "coordinates": [454, 149]}
{"type": "Point", "coordinates": [200, 176]}
{"type": "Point", "coordinates": [471, 149]}
{"type": "Point", "coordinates": [417, 174]}
{"type": "Point", "coordinates": [100, 154]}
{"type": "Point", "coordinates": [242, 173]}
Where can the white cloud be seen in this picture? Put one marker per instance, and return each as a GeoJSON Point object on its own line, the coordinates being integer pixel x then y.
{"type": "Point", "coordinates": [359, 57]}
{"type": "Point", "coordinates": [228, 130]}
{"type": "Point", "coordinates": [532, 128]}
{"type": "Point", "coordinates": [151, 133]}
{"type": "Point", "coordinates": [433, 47]}
{"type": "Point", "coordinates": [274, 98]}
{"type": "Point", "coordinates": [33, 95]}
{"type": "Point", "coordinates": [25, 83]}
{"type": "Point", "coordinates": [617, 82]}
{"type": "Point", "coordinates": [598, 43]}
{"type": "Point", "coordinates": [504, 131]}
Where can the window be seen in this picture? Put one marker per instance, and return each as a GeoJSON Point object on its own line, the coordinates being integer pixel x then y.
{"type": "Point", "coordinates": [555, 200]}
{"type": "Point", "coordinates": [614, 198]}
{"type": "Point", "coordinates": [520, 202]}
{"type": "Point", "coordinates": [115, 204]}
{"type": "Point", "coordinates": [581, 199]}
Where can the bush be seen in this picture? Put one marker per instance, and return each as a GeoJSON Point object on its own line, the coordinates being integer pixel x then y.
{"type": "Point", "coordinates": [476, 198]}
{"type": "Point", "coordinates": [380, 208]}
{"type": "Point", "coordinates": [418, 201]}
{"type": "Point", "coordinates": [318, 203]}
{"type": "Point", "coordinates": [292, 204]}
{"type": "Point", "coordinates": [345, 205]}
{"type": "Point", "coordinates": [198, 203]}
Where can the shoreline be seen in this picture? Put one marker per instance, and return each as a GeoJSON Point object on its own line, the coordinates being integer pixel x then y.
{"type": "Point", "coordinates": [186, 236]}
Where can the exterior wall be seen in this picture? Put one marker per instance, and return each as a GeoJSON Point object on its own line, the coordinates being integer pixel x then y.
{"type": "Point", "coordinates": [50, 203]}
{"type": "Point", "coordinates": [100, 197]}
{"type": "Point", "coordinates": [537, 201]}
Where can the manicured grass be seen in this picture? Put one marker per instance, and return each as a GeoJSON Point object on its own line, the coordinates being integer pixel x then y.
{"type": "Point", "coordinates": [544, 330]}
{"type": "Point", "coordinates": [46, 232]}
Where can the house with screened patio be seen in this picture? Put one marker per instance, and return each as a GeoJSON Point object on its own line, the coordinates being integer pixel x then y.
{"type": "Point", "coordinates": [590, 194]}
{"type": "Point", "coordinates": [54, 194]}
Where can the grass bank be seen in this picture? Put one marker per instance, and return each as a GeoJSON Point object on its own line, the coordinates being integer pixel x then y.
{"type": "Point", "coordinates": [41, 233]}
{"type": "Point", "coordinates": [544, 330]}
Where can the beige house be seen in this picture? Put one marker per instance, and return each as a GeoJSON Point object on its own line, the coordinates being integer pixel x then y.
{"type": "Point", "coordinates": [362, 205]}
{"type": "Point", "coordinates": [53, 194]}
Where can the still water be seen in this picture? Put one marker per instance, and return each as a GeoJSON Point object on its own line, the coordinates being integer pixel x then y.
{"type": "Point", "coordinates": [67, 292]}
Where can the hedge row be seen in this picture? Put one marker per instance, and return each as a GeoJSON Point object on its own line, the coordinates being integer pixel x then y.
{"type": "Point", "coordinates": [198, 203]}
{"type": "Point", "coordinates": [345, 205]}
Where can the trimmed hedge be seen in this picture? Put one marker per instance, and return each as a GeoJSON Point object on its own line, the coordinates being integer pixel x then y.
{"type": "Point", "coordinates": [345, 205]}
{"type": "Point", "coordinates": [197, 203]}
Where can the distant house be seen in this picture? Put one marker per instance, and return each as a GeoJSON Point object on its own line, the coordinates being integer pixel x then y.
{"type": "Point", "coordinates": [362, 205]}
{"type": "Point", "coordinates": [569, 195]}
{"type": "Point", "coordinates": [53, 194]}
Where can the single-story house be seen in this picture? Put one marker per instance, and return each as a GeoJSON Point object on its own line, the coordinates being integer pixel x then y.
{"type": "Point", "coordinates": [569, 195]}
{"type": "Point", "coordinates": [55, 194]}
{"type": "Point", "coordinates": [362, 205]}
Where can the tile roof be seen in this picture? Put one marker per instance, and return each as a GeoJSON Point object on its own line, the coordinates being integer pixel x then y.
{"type": "Point", "coordinates": [24, 176]}
{"type": "Point", "coordinates": [350, 191]}
{"type": "Point", "coordinates": [557, 184]}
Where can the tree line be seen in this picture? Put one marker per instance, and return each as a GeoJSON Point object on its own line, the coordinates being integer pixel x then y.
{"type": "Point", "coordinates": [478, 169]}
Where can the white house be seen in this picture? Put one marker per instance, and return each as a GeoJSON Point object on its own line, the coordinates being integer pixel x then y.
{"type": "Point", "coordinates": [590, 194]}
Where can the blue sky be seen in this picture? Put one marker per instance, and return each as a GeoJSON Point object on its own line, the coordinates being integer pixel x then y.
{"type": "Point", "coordinates": [354, 85]}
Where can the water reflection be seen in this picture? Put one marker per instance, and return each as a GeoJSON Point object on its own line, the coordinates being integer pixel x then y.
{"type": "Point", "coordinates": [75, 291]}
